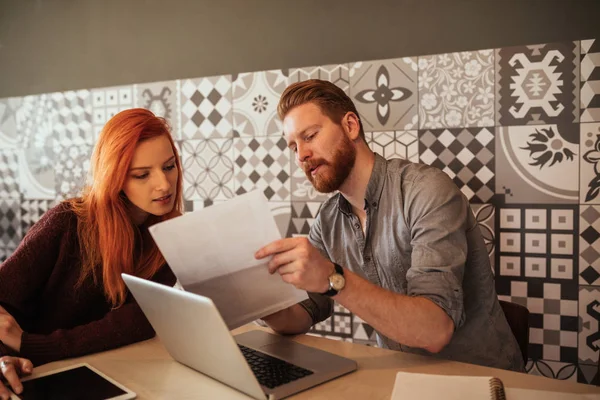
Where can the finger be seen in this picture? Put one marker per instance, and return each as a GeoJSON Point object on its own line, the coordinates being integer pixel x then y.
{"type": "Point", "coordinates": [10, 373]}
{"type": "Point", "coordinates": [275, 247]}
{"type": "Point", "coordinates": [4, 393]}
{"type": "Point", "coordinates": [292, 278]}
{"type": "Point", "coordinates": [281, 259]}
{"type": "Point", "coordinates": [24, 366]}
{"type": "Point", "coordinates": [287, 269]}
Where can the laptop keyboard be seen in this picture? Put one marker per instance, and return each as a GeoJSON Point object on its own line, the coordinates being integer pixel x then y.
{"type": "Point", "coordinates": [270, 371]}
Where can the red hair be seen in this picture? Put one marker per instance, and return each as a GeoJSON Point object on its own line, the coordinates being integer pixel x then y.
{"type": "Point", "coordinates": [110, 242]}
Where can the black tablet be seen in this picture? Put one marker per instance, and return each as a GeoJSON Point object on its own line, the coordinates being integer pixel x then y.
{"type": "Point", "coordinates": [77, 382]}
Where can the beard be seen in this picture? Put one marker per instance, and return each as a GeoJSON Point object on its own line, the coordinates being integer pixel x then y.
{"type": "Point", "coordinates": [332, 174]}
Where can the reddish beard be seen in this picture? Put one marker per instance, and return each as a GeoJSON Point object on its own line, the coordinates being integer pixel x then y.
{"type": "Point", "coordinates": [332, 174]}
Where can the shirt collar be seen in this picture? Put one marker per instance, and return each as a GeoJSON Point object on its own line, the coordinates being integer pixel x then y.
{"type": "Point", "coordinates": [374, 187]}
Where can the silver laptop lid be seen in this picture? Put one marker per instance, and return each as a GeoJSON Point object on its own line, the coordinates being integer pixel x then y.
{"type": "Point", "coordinates": [193, 332]}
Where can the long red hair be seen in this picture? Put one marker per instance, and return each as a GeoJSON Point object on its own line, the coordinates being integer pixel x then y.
{"type": "Point", "coordinates": [109, 240]}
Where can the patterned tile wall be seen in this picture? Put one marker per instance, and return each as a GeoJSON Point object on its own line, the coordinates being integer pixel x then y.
{"type": "Point", "coordinates": [516, 128]}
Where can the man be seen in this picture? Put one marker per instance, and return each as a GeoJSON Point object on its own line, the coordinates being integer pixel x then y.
{"type": "Point", "coordinates": [398, 245]}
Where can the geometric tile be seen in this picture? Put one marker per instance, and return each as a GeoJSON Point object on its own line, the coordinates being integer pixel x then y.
{"type": "Point", "coordinates": [5, 252]}
{"type": "Point", "coordinates": [538, 84]}
{"type": "Point", "coordinates": [589, 245]}
{"type": "Point", "coordinates": [107, 102]}
{"type": "Point", "coordinates": [206, 107]}
{"type": "Point", "coordinates": [456, 90]}
{"type": "Point", "coordinates": [535, 219]}
{"type": "Point", "coordinates": [34, 121]}
{"type": "Point", "coordinates": [538, 163]}
{"type": "Point", "coordinates": [339, 325]}
{"type": "Point", "coordinates": [36, 173]}
{"type": "Point", "coordinates": [9, 174]}
{"type": "Point", "coordinates": [539, 241]}
{"type": "Point", "coordinates": [485, 217]}
{"type": "Point", "coordinates": [162, 99]}
{"type": "Point", "coordinates": [71, 116]}
{"type": "Point", "coordinates": [465, 155]}
{"type": "Point", "coordinates": [395, 144]}
{"type": "Point", "coordinates": [207, 169]}
{"type": "Point", "coordinates": [281, 212]}
{"type": "Point", "coordinates": [590, 80]}
{"type": "Point", "coordinates": [32, 211]}
{"type": "Point", "coordinates": [302, 189]}
{"type": "Point", "coordinates": [588, 374]}
{"type": "Point", "coordinates": [510, 218]}
{"type": "Point", "coordinates": [385, 93]}
{"type": "Point", "coordinates": [302, 218]}
{"type": "Point", "coordinates": [363, 333]}
{"type": "Point", "coordinates": [552, 369]}
{"type": "Point", "coordinates": [255, 98]}
{"type": "Point", "coordinates": [336, 74]}
{"type": "Point", "coordinates": [589, 325]}
{"type": "Point", "coordinates": [9, 136]}
{"type": "Point", "coordinates": [262, 163]}
{"type": "Point", "coordinates": [10, 225]}
{"type": "Point", "coordinates": [71, 169]}
{"type": "Point", "coordinates": [589, 176]}
{"type": "Point", "coordinates": [561, 268]}
{"type": "Point", "coordinates": [553, 333]}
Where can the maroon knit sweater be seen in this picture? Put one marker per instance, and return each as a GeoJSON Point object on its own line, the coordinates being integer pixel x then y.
{"type": "Point", "coordinates": [37, 287]}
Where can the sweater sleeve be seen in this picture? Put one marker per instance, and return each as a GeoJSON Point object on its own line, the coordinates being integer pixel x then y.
{"type": "Point", "coordinates": [119, 327]}
{"type": "Point", "coordinates": [25, 272]}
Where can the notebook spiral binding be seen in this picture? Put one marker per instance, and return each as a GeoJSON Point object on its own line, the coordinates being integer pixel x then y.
{"type": "Point", "coordinates": [497, 389]}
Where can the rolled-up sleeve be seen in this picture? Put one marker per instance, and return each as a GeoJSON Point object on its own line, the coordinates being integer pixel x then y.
{"type": "Point", "coordinates": [436, 213]}
{"type": "Point", "coordinates": [318, 306]}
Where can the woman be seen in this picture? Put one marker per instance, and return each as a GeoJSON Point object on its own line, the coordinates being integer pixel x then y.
{"type": "Point", "coordinates": [61, 292]}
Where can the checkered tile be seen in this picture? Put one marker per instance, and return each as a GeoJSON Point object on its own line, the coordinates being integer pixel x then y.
{"type": "Point", "coordinates": [32, 211]}
{"type": "Point", "coordinates": [466, 155]}
{"type": "Point", "coordinates": [553, 316]}
{"type": "Point", "coordinates": [589, 245]}
{"type": "Point", "coordinates": [9, 165]}
{"type": "Point", "coordinates": [340, 324]}
{"type": "Point", "coordinates": [10, 227]}
{"type": "Point", "coordinates": [206, 107]}
{"type": "Point", "coordinates": [262, 163]}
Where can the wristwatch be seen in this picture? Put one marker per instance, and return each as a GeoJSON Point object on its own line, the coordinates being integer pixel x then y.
{"type": "Point", "coordinates": [336, 281]}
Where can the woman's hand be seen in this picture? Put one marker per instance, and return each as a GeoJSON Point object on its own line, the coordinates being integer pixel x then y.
{"type": "Point", "coordinates": [12, 369]}
{"type": "Point", "coordinates": [10, 331]}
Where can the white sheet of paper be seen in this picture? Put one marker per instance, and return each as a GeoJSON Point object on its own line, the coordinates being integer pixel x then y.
{"type": "Point", "coordinates": [211, 251]}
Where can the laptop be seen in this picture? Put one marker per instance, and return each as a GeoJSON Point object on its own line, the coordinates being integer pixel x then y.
{"type": "Point", "coordinates": [257, 363]}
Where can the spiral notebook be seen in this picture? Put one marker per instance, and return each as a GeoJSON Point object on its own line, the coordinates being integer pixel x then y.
{"type": "Point", "coordinates": [434, 387]}
{"type": "Point", "coordinates": [451, 387]}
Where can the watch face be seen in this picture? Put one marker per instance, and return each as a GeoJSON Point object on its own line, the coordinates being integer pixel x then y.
{"type": "Point", "coordinates": [337, 281]}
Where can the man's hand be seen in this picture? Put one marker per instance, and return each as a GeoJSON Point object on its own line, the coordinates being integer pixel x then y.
{"type": "Point", "coordinates": [299, 263]}
{"type": "Point", "coordinates": [10, 331]}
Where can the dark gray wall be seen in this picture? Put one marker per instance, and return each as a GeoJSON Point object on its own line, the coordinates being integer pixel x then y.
{"type": "Point", "coordinates": [48, 45]}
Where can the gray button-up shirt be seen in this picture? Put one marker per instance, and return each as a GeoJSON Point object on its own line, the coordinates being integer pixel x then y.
{"type": "Point", "coordinates": [421, 240]}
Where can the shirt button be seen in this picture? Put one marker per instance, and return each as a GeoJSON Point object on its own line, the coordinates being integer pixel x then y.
{"type": "Point", "coordinates": [367, 258]}
{"type": "Point", "coordinates": [357, 226]}
{"type": "Point", "coordinates": [375, 204]}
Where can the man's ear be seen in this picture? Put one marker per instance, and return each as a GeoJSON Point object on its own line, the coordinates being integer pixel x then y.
{"type": "Point", "coordinates": [351, 124]}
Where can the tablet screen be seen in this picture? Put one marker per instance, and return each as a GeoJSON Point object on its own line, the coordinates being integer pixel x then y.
{"type": "Point", "coordinates": [72, 384]}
